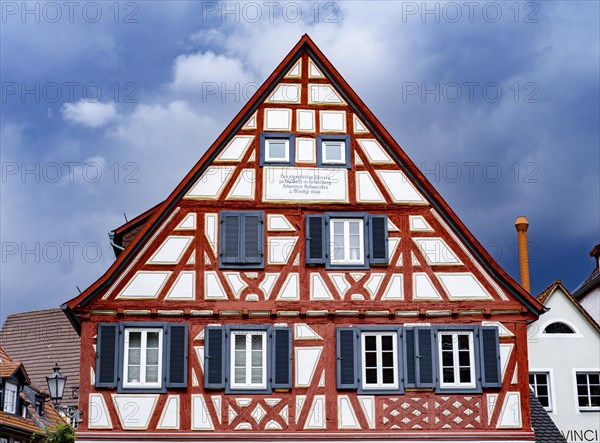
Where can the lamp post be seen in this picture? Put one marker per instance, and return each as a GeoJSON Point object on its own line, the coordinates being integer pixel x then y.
{"type": "Point", "coordinates": [56, 385]}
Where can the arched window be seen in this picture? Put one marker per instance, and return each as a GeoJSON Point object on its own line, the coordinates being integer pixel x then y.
{"type": "Point", "coordinates": [558, 328]}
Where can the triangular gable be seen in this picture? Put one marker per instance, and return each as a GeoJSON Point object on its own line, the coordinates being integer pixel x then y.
{"type": "Point", "coordinates": [378, 151]}
{"type": "Point", "coordinates": [545, 296]}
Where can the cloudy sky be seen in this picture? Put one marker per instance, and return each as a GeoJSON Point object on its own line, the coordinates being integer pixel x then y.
{"type": "Point", "coordinates": [106, 106]}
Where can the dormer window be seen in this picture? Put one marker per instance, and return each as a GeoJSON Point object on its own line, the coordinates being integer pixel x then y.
{"type": "Point", "coordinates": [10, 397]}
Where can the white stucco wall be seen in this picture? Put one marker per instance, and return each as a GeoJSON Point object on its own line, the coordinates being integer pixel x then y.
{"type": "Point", "coordinates": [562, 355]}
{"type": "Point", "coordinates": [591, 303]}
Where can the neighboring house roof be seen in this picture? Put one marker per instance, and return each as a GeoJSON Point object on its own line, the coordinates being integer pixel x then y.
{"type": "Point", "coordinates": [545, 295]}
{"type": "Point", "coordinates": [122, 236]}
{"type": "Point", "coordinates": [40, 339]}
{"type": "Point", "coordinates": [305, 44]}
{"type": "Point", "coordinates": [10, 367]}
{"type": "Point", "coordinates": [544, 428]}
{"type": "Point", "coordinates": [33, 423]}
{"type": "Point", "coordinates": [593, 281]}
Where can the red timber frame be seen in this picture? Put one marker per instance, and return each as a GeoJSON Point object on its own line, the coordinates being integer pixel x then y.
{"type": "Point", "coordinates": [289, 414]}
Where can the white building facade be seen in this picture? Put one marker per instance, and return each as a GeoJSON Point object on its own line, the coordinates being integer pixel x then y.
{"type": "Point", "coordinates": [564, 364]}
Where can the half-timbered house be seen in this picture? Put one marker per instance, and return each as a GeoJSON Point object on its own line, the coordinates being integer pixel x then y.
{"type": "Point", "coordinates": [305, 282]}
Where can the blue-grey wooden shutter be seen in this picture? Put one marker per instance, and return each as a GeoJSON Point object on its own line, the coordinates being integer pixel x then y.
{"type": "Point", "coordinates": [252, 238]}
{"type": "Point", "coordinates": [410, 362]}
{"type": "Point", "coordinates": [425, 358]}
{"type": "Point", "coordinates": [177, 337]}
{"type": "Point", "coordinates": [214, 349]}
{"type": "Point", "coordinates": [346, 350]}
{"type": "Point", "coordinates": [281, 342]}
{"type": "Point", "coordinates": [378, 241]}
{"type": "Point", "coordinates": [316, 239]}
{"type": "Point", "coordinates": [230, 251]}
{"type": "Point", "coordinates": [489, 353]}
{"type": "Point", "coordinates": [419, 357]}
{"type": "Point", "coordinates": [106, 355]}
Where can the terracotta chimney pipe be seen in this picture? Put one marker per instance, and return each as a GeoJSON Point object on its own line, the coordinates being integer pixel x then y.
{"type": "Point", "coordinates": [522, 224]}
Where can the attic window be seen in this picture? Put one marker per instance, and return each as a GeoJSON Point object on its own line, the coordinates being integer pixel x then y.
{"type": "Point", "coordinates": [276, 149]}
{"type": "Point", "coordinates": [333, 151]}
{"type": "Point", "coordinates": [558, 328]}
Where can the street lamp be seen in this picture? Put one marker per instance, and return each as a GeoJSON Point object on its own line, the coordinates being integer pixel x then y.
{"type": "Point", "coordinates": [56, 385]}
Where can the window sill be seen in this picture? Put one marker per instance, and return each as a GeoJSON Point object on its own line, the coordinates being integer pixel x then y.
{"type": "Point", "coordinates": [141, 390]}
{"type": "Point", "coordinates": [267, 391]}
{"type": "Point", "coordinates": [380, 391]}
{"type": "Point", "coordinates": [457, 390]}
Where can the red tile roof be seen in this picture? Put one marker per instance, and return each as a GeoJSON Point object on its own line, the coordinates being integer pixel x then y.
{"type": "Point", "coordinates": [33, 423]}
{"type": "Point", "coordinates": [13, 421]}
{"type": "Point", "coordinates": [40, 339]}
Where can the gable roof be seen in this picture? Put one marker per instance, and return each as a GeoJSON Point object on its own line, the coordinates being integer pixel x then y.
{"type": "Point", "coordinates": [305, 44]}
{"type": "Point", "coordinates": [545, 295]}
{"type": "Point", "coordinates": [40, 339]}
{"type": "Point", "coordinates": [10, 367]}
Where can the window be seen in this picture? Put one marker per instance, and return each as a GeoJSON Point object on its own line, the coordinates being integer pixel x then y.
{"type": "Point", "coordinates": [249, 360]}
{"type": "Point", "coordinates": [588, 391]}
{"type": "Point", "coordinates": [346, 240]}
{"type": "Point", "coordinates": [142, 366]}
{"type": "Point", "coordinates": [276, 149]}
{"type": "Point", "coordinates": [368, 359]}
{"type": "Point", "coordinates": [540, 383]}
{"type": "Point", "coordinates": [253, 359]}
{"type": "Point", "coordinates": [241, 240]}
{"type": "Point", "coordinates": [387, 359]}
{"type": "Point", "coordinates": [379, 352]}
{"type": "Point", "coordinates": [333, 151]}
{"type": "Point", "coordinates": [558, 328]}
{"type": "Point", "coordinates": [141, 356]}
{"type": "Point", "coordinates": [457, 362]}
{"type": "Point", "coordinates": [10, 397]}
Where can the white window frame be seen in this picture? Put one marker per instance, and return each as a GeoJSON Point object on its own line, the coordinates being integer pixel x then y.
{"type": "Point", "coordinates": [142, 384]}
{"type": "Point", "coordinates": [587, 372]}
{"type": "Point", "coordinates": [341, 144]}
{"type": "Point", "coordinates": [10, 403]}
{"type": "Point", "coordinates": [455, 360]}
{"type": "Point", "coordinates": [269, 159]}
{"type": "Point", "coordinates": [334, 248]}
{"type": "Point", "coordinates": [248, 352]}
{"type": "Point", "coordinates": [379, 384]}
{"type": "Point", "coordinates": [545, 335]}
{"type": "Point", "coordinates": [534, 386]}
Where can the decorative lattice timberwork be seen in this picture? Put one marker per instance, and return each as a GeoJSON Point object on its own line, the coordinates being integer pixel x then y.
{"type": "Point", "coordinates": [429, 413]}
{"type": "Point", "coordinates": [256, 414]}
